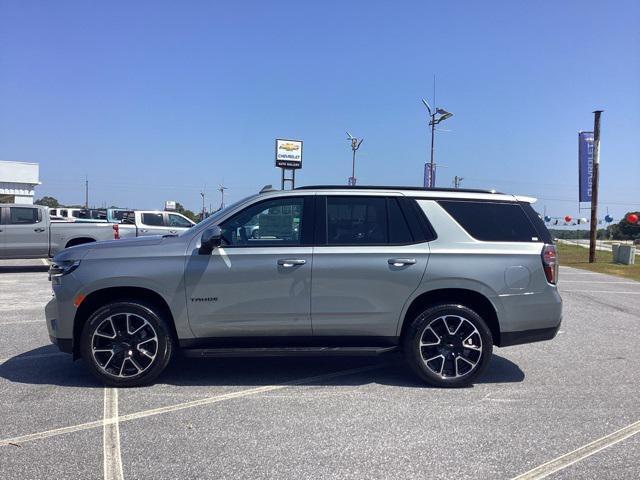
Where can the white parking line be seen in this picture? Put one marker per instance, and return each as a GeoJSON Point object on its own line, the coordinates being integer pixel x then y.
{"type": "Point", "coordinates": [598, 291]}
{"type": "Point", "coordinates": [45, 261]}
{"type": "Point", "coordinates": [29, 357]}
{"type": "Point", "coordinates": [581, 453]}
{"type": "Point", "coordinates": [182, 406]}
{"type": "Point", "coordinates": [111, 436]}
{"type": "Point", "coordinates": [600, 281]}
{"type": "Point", "coordinates": [22, 321]}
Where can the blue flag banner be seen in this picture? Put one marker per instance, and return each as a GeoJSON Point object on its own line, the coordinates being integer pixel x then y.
{"type": "Point", "coordinates": [585, 165]}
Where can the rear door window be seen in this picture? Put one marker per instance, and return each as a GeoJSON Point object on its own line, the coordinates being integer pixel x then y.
{"type": "Point", "coordinates": [357, 220]}
{"type": "Point", "coordinates": [153, 219]}
{"type": "Point", "coordinates": [23, 215]}
{"type": "Point", "coordinates": [492, 221]}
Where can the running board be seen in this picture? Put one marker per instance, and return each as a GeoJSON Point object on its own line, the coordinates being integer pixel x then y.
{"type": "Point", "coordinates": [285, 351]}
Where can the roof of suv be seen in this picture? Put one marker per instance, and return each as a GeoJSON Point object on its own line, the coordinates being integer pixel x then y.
{"type": "Point", "coordinates": [452, 193]}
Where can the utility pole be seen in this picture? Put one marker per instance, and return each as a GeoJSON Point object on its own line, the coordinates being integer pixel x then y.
{"type": "Point", "coordinates": [202, 213]}
{"type": "Point", "coordinates": [594, 186]}
{"type": "Point", "coordinates": [86, 192]}
{"type": "Point", "coordinates": [222, 188]}
{"type": "Point", "coordinates": [457, 181]}
{"type": "Point", "coordinates": [355, 145]}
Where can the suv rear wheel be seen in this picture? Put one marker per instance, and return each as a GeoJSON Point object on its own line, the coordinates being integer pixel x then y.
{"type": "Point", "coordinates": [448, 345]}
{"type": "Point", "coordinates": [126, 343]}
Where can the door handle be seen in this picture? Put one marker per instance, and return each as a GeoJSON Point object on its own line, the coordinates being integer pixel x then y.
{"type": "Point", "coordinates": [143, 230]}
{"type": "Point", "coordinates": [38, 229]}
{"type": "Point", "coordinates": [401, 262]}
{"type": "Point", "coordinates": [291, 262]}
{"type": "Point", "coordinates": [173, 231]}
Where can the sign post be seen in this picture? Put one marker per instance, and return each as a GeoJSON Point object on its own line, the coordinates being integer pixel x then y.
{"type": "Point", "coordinates": [594, 187]}
{"type": "Point", "coordinates": [288, 157]}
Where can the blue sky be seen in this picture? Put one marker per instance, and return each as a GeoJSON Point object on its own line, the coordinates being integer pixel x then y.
{"type": "Point", "coordinates": [154, 100]}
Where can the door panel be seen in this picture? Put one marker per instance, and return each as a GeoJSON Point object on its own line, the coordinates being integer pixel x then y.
{"type": "Point", "coordinates": [152, 224]}
{"type": "Point", "coordinates": [367, 264]}
{"type": "Point", "coordinates": [356, 291]}
{"type": "Point", "coordinates": [258, 283]}
{"type": "Point", "coordinates": [25, 233]}
{"type": "Point", "coordinates": [238, 292]}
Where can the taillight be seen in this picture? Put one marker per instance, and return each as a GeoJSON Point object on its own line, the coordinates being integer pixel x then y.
{"type": "Point", "coordinates": [116, 232]}
{"type": "Point", "coordinates": [550, 263]}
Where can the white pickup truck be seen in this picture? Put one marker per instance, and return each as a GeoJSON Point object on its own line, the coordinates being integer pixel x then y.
{"type": "Point", "coordinates": [27, 231]}
{"type": "Point", "coordinates": [140, 223]}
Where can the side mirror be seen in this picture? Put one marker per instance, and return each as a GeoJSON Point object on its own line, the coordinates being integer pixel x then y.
{"type": "Point", "coordinates": [211, 238]}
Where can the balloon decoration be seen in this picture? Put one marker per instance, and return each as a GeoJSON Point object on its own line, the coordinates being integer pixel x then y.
{"type": "Point", "coordinates": [547, 218]}
{"type": "Point", "coordinates": [567, 218]}
{"type": "Point", "coordinates": [582, 220]}
{"type": "Point", "coordinates": [608, 218]}
{"type": "Point", "coordinates": [632, 218]}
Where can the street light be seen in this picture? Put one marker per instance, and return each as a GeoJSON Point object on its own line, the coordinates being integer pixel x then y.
{"type": "Point", "coordinates": [355, 145]}
{"type": "Point", "coordinates": [436, 116]}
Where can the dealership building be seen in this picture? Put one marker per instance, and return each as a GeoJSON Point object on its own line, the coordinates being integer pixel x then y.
{"type": "Point", "coordinates": [17, 181]}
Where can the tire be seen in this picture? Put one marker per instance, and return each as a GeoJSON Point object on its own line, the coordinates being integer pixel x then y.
{"type": "Point", "coordinates": [141, 347]}
{"type": "Point", "coordinates": [442, 358]}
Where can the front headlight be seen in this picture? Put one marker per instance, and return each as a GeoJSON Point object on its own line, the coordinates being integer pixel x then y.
{"type": "Point", "coordinates": [58, 269]}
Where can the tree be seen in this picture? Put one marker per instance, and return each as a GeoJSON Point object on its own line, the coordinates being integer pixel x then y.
{"type": "Point", "coordinates": [187, 213]}
{"type": "Point", "coordinates": [50, 202]}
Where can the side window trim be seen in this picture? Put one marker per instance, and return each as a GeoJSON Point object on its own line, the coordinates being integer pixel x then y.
{"type": "Point", "coordinates": [418, 219]}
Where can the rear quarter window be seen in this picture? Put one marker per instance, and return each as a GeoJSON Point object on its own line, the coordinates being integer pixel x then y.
{"type": "Point", "coordinates": [492, 221]}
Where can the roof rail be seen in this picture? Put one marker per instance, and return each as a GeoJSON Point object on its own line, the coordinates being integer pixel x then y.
{"type": "Point", "coordinates": [392, 187]}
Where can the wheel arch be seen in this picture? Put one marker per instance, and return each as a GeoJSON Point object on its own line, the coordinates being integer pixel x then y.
{"type": "Point", "coordinates": [98, 298]}
{"type": "Point", "coordinates": [469, 298]}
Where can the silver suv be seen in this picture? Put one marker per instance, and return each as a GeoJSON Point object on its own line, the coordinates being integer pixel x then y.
{"type": "Point", "coordinates": [443, 275]}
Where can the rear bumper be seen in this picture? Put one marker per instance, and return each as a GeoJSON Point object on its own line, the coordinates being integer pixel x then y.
{"type": "Point", "coordinates": [508, 339]}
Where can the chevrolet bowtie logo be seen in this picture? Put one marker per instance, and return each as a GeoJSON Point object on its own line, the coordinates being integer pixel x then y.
{"type": "Point", "coordinates": [289, 147]}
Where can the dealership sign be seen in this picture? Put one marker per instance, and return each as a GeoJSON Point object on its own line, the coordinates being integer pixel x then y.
{"type": "Point", "coordinates": [585, 166]}
{"type": "Point", "coordinates": [288, 153]}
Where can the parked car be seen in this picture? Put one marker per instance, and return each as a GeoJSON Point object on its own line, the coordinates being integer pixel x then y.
{"type": "Point", "coordinates": [27, 231]}
{"type": "Point", "coordinates": [141, 223]}
{"type": "Point", "coordinates": [443, 275]}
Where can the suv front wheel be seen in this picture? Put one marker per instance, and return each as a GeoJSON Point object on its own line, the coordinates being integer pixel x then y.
{"type": "Point", "coordinates": [126, 343]}
{"type": "Point", "coordinates": [448, 345]}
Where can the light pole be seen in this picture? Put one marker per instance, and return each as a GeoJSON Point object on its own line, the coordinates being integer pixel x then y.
{"type": "Point", "coordinates": [355, 145]}
{"type": "Point", "coordinates": [436, 116]}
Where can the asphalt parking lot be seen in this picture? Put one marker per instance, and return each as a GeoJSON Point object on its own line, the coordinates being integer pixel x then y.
{"type": "Point", "coordinates": [329, 418]}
